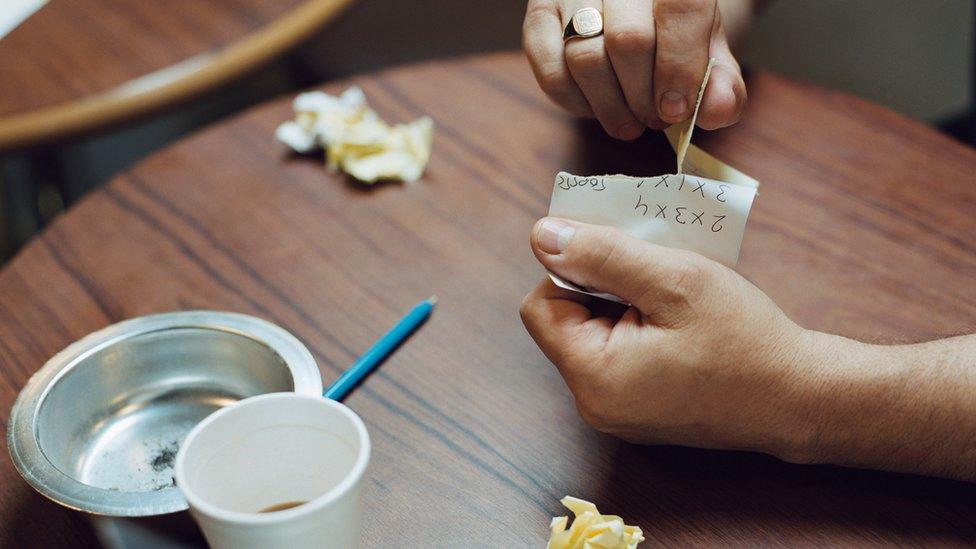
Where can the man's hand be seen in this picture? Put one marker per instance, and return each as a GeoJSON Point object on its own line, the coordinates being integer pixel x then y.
{"type": "Point", "coordinates": [645, 70]}
{"type": "Point", "coordinates": [701, 357]}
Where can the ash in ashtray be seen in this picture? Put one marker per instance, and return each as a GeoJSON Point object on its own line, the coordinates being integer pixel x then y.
{"type": "Point", "coordinates": [163, 458]}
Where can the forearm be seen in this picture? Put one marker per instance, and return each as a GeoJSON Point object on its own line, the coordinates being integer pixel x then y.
{"type": "Point", "coordinates": [906, 408]}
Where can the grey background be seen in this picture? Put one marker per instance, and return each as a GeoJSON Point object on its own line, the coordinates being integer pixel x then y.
{"type": "Point", "coordinates": [913, 56]}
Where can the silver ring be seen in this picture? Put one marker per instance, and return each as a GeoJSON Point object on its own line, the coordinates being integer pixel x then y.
{"type": "Point", "coordinates": [586, 23]}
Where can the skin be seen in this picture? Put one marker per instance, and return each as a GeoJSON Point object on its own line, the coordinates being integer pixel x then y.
{"type": "Point", "coordinates": [645, 70]}
{"type": "Point", "coordinates": [703, 358]}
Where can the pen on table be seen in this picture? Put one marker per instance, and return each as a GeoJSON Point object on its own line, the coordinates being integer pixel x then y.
{"type": "Point", "coordinates": [380, 350]}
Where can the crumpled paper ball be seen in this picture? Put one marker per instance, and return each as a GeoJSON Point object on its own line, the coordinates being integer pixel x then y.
{"type": "Point", "coordinates": [355, 139]}
{"type": "Point", "coordinates": [591, 530]}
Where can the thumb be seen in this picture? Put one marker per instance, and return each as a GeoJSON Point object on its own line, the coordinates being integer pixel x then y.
{"type": "Point", "coordinates": [658, 281]}
{"type": "Point", "coordinates": [725, 94]}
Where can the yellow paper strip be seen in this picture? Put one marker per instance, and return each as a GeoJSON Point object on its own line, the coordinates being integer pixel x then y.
{"type": "Point", "coordinates": [692, 159]}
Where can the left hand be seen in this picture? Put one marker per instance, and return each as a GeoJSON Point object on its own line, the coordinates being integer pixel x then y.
{"type": "Point", "coordinates": [701, 357]}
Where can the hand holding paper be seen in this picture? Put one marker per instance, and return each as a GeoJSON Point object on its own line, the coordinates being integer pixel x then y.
{"type": "Point", "coordinates": [704, 213]}
{"type": "Point", "coordinates": [701, 357]}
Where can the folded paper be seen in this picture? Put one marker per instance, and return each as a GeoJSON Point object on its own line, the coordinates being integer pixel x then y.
{"type": "Point", "coordinates": [590, 529]}
{"type": "Point", "coordinates": [702, 208]}
{"type": "Point", "coordinates": [692, 159]}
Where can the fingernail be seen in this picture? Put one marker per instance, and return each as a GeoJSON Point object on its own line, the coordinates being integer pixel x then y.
{"type": "Point", "coordinates": [654, 122]}
{"type": "Point", "coordinates": [630, 130]}
{"type": "Point", "coordinates": [673, 104]}
{"type": "Point", "coordinates": [554, 235]}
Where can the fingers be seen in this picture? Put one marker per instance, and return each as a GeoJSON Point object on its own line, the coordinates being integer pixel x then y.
{"type": "Point", "coordinates": [561, 324]}
{"type": "Point", "coordinates": [725, 95]}
{"type": "Point", "coordinates": [590, 66]}
{"type": "Point", "coordinates": [543, 44]}
{"type": "Point", "coordinates": [629, 32]}
{"type": "Point", "coordinates": [656, 280]}
{"type": "Point", "coordinates": [684, 30]}
{"type": "Point", "coordinates": [644, 71]}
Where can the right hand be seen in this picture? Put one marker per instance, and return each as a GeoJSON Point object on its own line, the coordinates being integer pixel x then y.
{"type": "Point", "coordinates": [644, 71]}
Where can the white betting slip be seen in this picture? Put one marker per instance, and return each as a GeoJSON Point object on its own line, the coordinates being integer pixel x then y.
{"type": "Point", "coordinates": [702, 208]}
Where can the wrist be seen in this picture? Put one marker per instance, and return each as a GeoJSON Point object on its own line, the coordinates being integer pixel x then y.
{"type": "Point", "coordinates": [777, 412]}
{"type": "Point", "coordinates": [840, 385]}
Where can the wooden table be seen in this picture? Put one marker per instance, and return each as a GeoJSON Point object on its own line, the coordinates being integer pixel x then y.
{"type": "Point", "coordinates": [865, 226]}
{"type": "Point", "coordinates": [83, 64]}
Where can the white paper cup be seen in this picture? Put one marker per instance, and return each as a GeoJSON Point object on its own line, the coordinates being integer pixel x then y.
{"type": "Point", "coordinates": [270, 450]}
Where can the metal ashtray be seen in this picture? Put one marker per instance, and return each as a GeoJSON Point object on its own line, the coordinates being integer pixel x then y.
{"type": "Point", "coordinates": [98, 427]}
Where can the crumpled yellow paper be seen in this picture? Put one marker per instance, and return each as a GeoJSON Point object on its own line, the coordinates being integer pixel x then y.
{"type": "Point", "coordinates": [591, 530]}
{"type": "Point", "coordinates": [355, 139]}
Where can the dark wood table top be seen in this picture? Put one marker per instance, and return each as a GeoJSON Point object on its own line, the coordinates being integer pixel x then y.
{"type": "Point", "coordinates": [71, 49]}
{"type": "Point", "coordinates": [865, 226]}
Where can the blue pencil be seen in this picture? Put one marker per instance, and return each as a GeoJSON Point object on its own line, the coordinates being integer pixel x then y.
{"type": "Point", "coordinates": [380, 350]}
